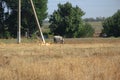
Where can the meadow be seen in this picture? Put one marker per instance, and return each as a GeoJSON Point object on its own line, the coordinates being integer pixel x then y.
{"type": "Point", "coordinates": [77, 59]}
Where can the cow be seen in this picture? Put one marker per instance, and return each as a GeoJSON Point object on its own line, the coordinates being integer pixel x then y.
{"type": "Point", "coordinates": [58, 39]}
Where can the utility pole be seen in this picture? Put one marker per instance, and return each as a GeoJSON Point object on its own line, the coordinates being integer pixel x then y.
{"type": "Point", "coordinates": [36, 17]}
{"type": "Point", "coordinates": [19, 23]}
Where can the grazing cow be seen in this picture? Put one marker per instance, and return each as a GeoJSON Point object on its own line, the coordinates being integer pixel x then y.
{"type": "Point", "coordinates": [58, 39]}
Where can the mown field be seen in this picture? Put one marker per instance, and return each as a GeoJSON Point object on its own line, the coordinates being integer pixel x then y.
{"type": "Point", "coordinates": [77, 59]}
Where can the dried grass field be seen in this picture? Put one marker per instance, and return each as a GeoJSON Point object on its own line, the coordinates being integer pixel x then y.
{"type": "Point", "coordinates": [77, 59]}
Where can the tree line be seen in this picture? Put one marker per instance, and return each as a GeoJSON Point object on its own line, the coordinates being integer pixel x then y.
{"type": "Point", "coordinates": [97, 19]}
{"type": "Point", "coordinates": [65, 21]}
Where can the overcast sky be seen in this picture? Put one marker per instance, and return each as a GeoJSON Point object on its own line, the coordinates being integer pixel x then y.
{"type": "Point", "coordinates": [92, 8]}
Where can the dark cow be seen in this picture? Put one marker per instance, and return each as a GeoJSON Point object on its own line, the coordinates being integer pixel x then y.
{"type": "Point", "coordinates": [58, 39]}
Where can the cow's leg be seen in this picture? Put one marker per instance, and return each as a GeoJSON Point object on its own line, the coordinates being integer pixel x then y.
{"type": "Point", "coordinates": [55, 40]}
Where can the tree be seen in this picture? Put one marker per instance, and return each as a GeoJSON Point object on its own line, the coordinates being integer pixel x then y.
{"type": "Point", "coordinates": [111, 25]}
{"type": "Point", "coordinates": [1, 18]}
{"type": "Point", "coordinates": [28, 20]}
{"type": "Point", "coordinates": [3, 28]}
{"type": "Point", "coordinates": [67, 21]}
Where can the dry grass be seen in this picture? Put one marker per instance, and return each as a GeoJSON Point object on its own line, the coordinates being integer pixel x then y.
{"type": "Point", "coordinates": [83, 61]}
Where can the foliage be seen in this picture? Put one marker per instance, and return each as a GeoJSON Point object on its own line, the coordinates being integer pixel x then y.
{"type": "Point", "coordinates": [111, 25]}
{"type": "Point", "coordinates": [28, 20]}
{"type": "Point", "coordinates": [67, 21]}
{"type": "Point", "coordinates": [3, 28]}
{"type": "Point", "coordinates": [89, 31]}
{"type": "Point", "coordinates": [1, 18]}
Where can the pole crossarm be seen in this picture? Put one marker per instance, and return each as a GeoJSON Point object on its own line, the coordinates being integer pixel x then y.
{"type": "Point", "coordinates": [36, 17]}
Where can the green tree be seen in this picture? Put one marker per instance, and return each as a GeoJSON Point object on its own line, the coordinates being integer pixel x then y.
{"type": "Point", "coordinates": [3, 28]}
{"type": "Point", "coordinates": [111, 25]}
{"type": "Point", "coordinates": [28, 20]}
{"type": "Point", "coordinates": [67, 21]}
{"type": "Point", "coordinates": [1, 18]}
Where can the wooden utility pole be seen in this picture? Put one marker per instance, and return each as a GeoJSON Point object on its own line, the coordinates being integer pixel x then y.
{"type": "Point", "coordinates": [19, 23]}
{"type": "Point", "coordinates": [36, 17]}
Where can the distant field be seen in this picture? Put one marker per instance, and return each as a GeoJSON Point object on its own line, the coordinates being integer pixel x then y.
{"type": "Point", "coordinates": [97, 26]}
{"type": "Point", "coordinates": [77, 59]}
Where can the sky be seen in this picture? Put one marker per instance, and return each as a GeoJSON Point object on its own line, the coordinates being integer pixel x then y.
{"type": "Point", "coordinates": [92, 8]}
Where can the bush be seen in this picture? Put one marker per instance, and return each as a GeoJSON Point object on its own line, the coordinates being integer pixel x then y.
{"type": "Point", "coordinates": [89, 31]}
{"type": "Point", "coordinates": [7, 34]}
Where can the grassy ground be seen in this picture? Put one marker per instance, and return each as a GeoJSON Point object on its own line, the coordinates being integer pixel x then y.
{"type": "Point", "coordinates": [23, 40]}
{"type": "Point", "coordinates": [89, 59]}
